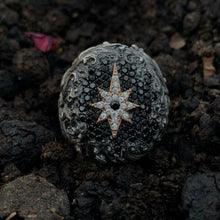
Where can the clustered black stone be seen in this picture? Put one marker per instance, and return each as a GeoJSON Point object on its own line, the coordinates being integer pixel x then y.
{"type": "Point", "coordinates": [115, 105]}
{"type": "Point", "coordinates": [93, 70]}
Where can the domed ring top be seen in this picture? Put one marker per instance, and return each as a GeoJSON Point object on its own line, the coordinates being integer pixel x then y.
{"type": "Point", "coordinates": [114, 102]}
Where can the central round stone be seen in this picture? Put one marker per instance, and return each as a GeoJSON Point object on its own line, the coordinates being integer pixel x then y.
{"type": "Point", "coordinates": [115, 105]}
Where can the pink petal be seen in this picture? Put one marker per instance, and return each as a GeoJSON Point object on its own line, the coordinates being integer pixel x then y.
{"type": "Point", "coordinates": [44, 42]}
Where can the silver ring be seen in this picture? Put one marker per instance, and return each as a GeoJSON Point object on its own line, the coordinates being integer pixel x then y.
{"type": "Point", "coordinates": [114, 103]}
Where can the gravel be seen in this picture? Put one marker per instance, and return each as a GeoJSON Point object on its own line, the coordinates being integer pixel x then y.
{"type": "Point", "coordinates": [201, 196]}
{"type": "Point", "coordinates": [33, 198]}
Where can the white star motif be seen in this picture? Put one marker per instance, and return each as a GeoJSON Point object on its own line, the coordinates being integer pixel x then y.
{"type": "Point", "coordinates": [114, 104]}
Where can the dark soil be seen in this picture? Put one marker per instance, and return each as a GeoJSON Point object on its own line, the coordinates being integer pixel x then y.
{"type": "Point", "coordinates": [42, 176]}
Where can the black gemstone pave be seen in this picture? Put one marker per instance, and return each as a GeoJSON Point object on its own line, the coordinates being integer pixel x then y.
{"type": "Point", "coordinates": [140, 95]}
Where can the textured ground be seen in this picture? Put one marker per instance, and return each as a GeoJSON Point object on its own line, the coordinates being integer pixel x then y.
{"type": "Point", "coordinates": [42, 177]}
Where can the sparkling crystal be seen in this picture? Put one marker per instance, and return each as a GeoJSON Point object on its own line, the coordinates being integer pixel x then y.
{"type": "Point", "coordinates": [108, 99]}
{"type": "Point", "coordinates": [115, 97]}
{"type": "Point", "coordinates": [81, 108]}
{"type": "Point", "coordinates": [82, 101]}
{"type": "Point", "coordinates": [114, 126]}
{"type": "Point", "coordinates": [92, 85]}
{"type": "Point", "coordinates": [114, 119]}
{"type": "Point", "coordinates": [98, 73]}
{"type": "Point", "coordinates": [114, 113]}
{"type": "Point", "coordinates": [124, 70]}
{"type": "Point", "coordinates": [103, 116]}
{"type": "Point", "coordinates": [99, 105]}
{"type": "Point", "coordinates": [133, 67]}
{"type": "Point", "coordinates": [123, 105]}
{"type": "Point", "coordinates": [104, 94]}
{"type": "Point", "coordinates": [87, 97]}
{"type": "Point", "coordinates": [122, 62]}
{"type": "Point", "coordinates": [143, 106]}
{"type": "Point", "coordinates": [126, 78]}
{"type": "Point", "coordinates": [115, 78]}
{"type": "Point", "coordinates": [125, 94]}
{"type": "Point", "coordinates": [104, 61]}
{"type": "Point", "coordinates": [120, 99]}
{"type": "Point", "coordinates": [85, 83]}
{"type": "Point", "coordinates": [120, 111]}
{"type": "Point", "coordinates": [125, 115]}
{"type": "Point", "coordinates": [130, 105]}
{"type": "Point", "coordinates": [116, 84]}
{"type": "Point", "coordinates": [132, 73]}
{"type": "Point", "coordinates": [106, 105]}
{"type": "Point", "coordinates": [115, 90]}
{"type": "Point", "coordinates": [86, 90]}
{"type": "Point", "coordinates": [141, 92]}
{"type": "Point", "coordinates": [133, 81]}
{"type": "Point", "coordinates": [109, 111]}
{"type": "Point", "coordinates": [140, 84]}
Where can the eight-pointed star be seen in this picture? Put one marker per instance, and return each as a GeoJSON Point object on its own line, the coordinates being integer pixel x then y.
{"type": "Point", "coordinates": [114, 104]}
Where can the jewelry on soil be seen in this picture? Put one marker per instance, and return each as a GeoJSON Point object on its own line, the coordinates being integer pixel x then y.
{"type": "Point", "coordinates": [114, 103]}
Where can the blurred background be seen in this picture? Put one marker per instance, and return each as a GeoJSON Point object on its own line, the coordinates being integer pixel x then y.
{"type": "Point", "coordinates": [178, 179]}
